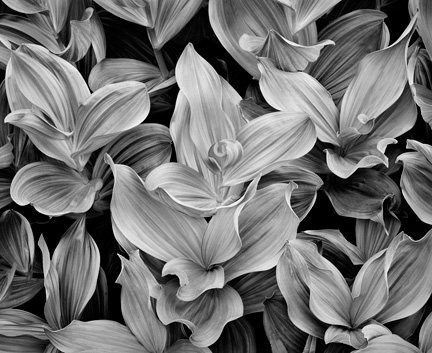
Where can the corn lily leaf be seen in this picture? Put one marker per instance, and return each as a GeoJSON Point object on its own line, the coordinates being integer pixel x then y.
{"type": "Point", "coordinates": [50, 140]}
{"type": "Point", "coordinates": [117, 70]}
{"type": "Point", "coordinates": [388, 344]}
{"type": "Point", "coordinates": [205, 316]}
{"type": "Point", "coordinates": [237, 337]}
{"type": "Point", "coordinates": [22, 344]}
{"type": "Point", "coordinates": [333, 244]}
{"type": "Point", "coordinates": [6, 177]}
{"type": "Point", "coordinates": [14, 322]}
{"type": "Point", "coordinates": [424, 27]}
{"type": "Point", "coordinates": [144, 219]}
{"type": "Point", "coordinates": [184, 346]}
{"type": "Point", "coordinates": [54, 189]}
{"type": "Point", "coordinates": [372, 237]}
{"type": "Point", "coordinates": [22, 289]}
{"type": "Point", "coordinates": [406, 327]}
{"type": "Point", "coordinates": [97, 124]}
{"type": "Point", "coordinates": [94, 336]}
{"type": "Point", "coordinates": [408, 279]}
{"type": "Point", "coordinates": [26, 6]}
{"type": "Point", "coordinates": [302, 198]}
{"type": "Point", "coordinates": [137, 308]}
{"type": "Point", "coordinates": [139, 12]}
{"type": "Point", "coordinates": [298, 92]}
{"type": "Point", "coordinates": [283, 335]}
{"type": "Point", "coordinates": [352, 337]}
{"type": "Point", "coordinates": [142, 148]}
{"type": "Point", "coordinates": [80, 37]}
{"type": "Point", "coordinates": [265, 224]}
{"type": "Point", "coordinates": [425, 336]}
{"type": "Point", "coordinates": [170, 19]}
{"type": "Point", "coordinates": [363, 194]}
{"type": "Point", "coordinates": [415, 178]}
{"type": "Point", "coordinates": [6, 277]}
{"type": "Point", "coordinates": [72, 273]}
{"type": "Point", "coordinates": [19, 30]}
{"type": "Point", "coordinates": [294, 281]}
{"type": "Point", "coordinates": [287, 55]}
{"type": "Point", "coordinates": [202, 87]}
{"type": "Point", "coordinates": [6, 155]}
{"type": "Point", "coordinates": [262, 152]}
{"type": "Point", "coordinates": [379, 82]}
{"type": "Point", "coordinates": [17, 243]}
{"type": "Point", "coordinates": [308, 11]}
{"type": "Point", "coordinates": [365, 153]}
{"type": "Point", "coordinates": [359, 33]}
{"type": "Point", "coordinates": [232, 19]}
{"type": "Point", "coordinates": [254, 288]}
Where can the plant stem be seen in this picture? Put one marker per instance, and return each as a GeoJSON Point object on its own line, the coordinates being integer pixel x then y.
{"type": "Point", "coordinates": [161, 63]}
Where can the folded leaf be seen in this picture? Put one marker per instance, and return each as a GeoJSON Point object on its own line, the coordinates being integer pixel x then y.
{"type": "Point", "coordinates": [351, 337]}
{"type": "Point", "coordinates": [424, 26]}
{"type": "Point", "coordinates": [22, 290]}
{"type": "Point", "coordinates": [194, 279]}
{"type": "Point", "coordinates": [358, 33]}
{"type": "Point", "coordinates": [205, 316]}
{"type": "Point", "coordinates": [54, 189]}
{"type": "Point", "coordinates": [287, 55]}
{"type": "Point", "coordinates": [362, 195]}
{"type": "Point", "coordinates": [23, 344]}
{"type": "Point", "coordinates": [137, 308]}
{"type": "Point", "coordinates": [388, 344]}
{"type": "Point", "coordinates": [94, 336]}
{"type": "Point", "coordinates": [140, 12]}
{"type": "Point", "coordinates": [6, 277]}
{"type": "Point", "coordinates": [416, 178]}
{"type": "Point", "coordinates": [14, 322]}
{"type": "Point", "coordinates": [268, 140]}
{"type": "Point", "coordinates": [6, 155]}
{"type": "Point", "coordinates": [231, 19]}
{"type": "Point", "coordinates": [184, 346]}
{"type": "Point", "coordinates": [297, 92]}
{"type": "Point", "coordinates": [266, 223]}
{"type": "Point", "coordinates": [17, 243]}
{"type": "Point", "coordinates": [378, 84]}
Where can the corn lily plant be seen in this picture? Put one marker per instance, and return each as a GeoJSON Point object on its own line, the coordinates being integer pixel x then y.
{"type": "Point", "coordinates": [223, 249]}
{"type": "Point", "coordinates": [373, 111]}
{"type": "Point", "coordinates": [70, 279]}
{"type": "Point", "coordinates": [217, 151]}
{"type": "Point", "coordinates": [393, 284]}
{"type": "Point", "coordinates": [143, 333]}
{"type": "Point", "coordinates": [51, 102]}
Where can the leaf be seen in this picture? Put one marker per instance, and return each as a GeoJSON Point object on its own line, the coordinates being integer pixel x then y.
{"type": "Point", "coordinates": [254, 288]}
{"type": "Point", "coordinates": [21, 291]}
{"type": "Point", "coordinates": [53, 189]}
{"type": "Point", "coordinates": [357, 33]}
{"type": "Point", "coordinates": [97, 123]}
{"type": "Point", "coordinates": [425, 336]}
{"type": "Point", "coordinates": [23, 344]}
{"type": "Point", "coordinates": [287, 55]}
{"type": "Point", "coordinates": [76, 259]}
{"type": "Point", "coordinates": [170, 19]}
{"type": "Point", "coordinates": [202, 88]}
{"type": "Point", "coordinates": [268, 140]}
{"type": "Point", "coordinates": [283, 335]}
{"type": "Point", "coordinates": [194, 279]}
{"type": "Point", "coordinates": [17, 243]}
{"type": "Point", "coordinates": [137, 308]}
{"type": "Point", "coordinates": [231, 19]}
{"type": "Point", "coordinates": [150, 225]}
{"type": "Point", "coordinates": [184, 346]}
{"type": "Point", "coordinates": [294, 281]}
{"type": "Point", "coordinates": [388, 344]}
{"type": "Point", "coordinates": [297, 92]}
{"type": "Point", "coordinates": [94, 336]}
{"type": "Point", "coordinates": [15, 323]}
{"type": "Point", "coordinates": [415, 178]}
{"type": "Point", "coordinates": [237, 337]}
{"type": "Point", "coordinates": [141, 13]}
{"type": "Point", "coordinates": [424, 26]}
{"type": "Point", "coordinates": [265, 224]}
{"type": "Point", "coordinates": [350, 337]}
{"type": "Point", "coordinates": [205, 316]}
{"type": "Point", "coordinates": [378, 84]}
{"type": "Point", "coordinates": [362, 195]}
